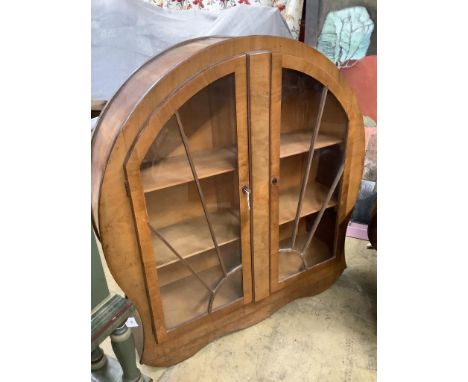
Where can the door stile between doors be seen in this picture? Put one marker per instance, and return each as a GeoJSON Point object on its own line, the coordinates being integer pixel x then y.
{"type": "Point", "coordinates": [259, 79]}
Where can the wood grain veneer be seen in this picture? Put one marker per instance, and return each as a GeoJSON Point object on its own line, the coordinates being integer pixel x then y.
{"type": "Point", "coordinates": [263, 138]}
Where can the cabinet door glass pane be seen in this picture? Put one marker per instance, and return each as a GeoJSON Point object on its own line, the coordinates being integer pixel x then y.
{"type": "Point", "coordinates": [190, 179]}
{"type": "Point", "coordinates": [313, 132]}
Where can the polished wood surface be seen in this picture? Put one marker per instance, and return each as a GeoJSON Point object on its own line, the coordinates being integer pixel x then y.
{"type": "Point", "coordinates": [192, 237]}
{"type": "Point", "coordinates": [314, 197]}
{"type": "Point", "coordinates": [299, 142]}
{"type": "Point", "coordinates": [128, 126]}
{"type": "Point", "coordinates": [275, 170]}
{"type": "Point", "coordinates": [176, 170]}
{"type": "Point", "coordinates": [176, 270]}
{"type": "Point", "coordinates": [259, 118]}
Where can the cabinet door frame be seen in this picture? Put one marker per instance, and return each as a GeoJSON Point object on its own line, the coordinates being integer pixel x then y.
{"type": "Point", "coordinates": [237, 66]}
{"type": "Point", "coordinates": [259, 82]}
{"type": "Point", "coordinates": [300, 64]}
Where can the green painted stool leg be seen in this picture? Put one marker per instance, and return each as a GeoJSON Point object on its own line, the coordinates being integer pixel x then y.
{"type": "Point", "coordinates": [98, 359]}
{"type": "Point", "coordinates": [124, 349]}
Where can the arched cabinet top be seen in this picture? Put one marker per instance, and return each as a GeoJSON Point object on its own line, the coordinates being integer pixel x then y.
{"type": "Point", "coordinates": [125, 115]}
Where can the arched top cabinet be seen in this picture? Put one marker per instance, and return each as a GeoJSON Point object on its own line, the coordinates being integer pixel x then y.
{"type": "Point", "coordinates": [224, 172]}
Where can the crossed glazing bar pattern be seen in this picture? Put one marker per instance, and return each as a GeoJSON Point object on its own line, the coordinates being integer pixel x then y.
{"type": "Point", "coordinates": [318, 218]}
{"type": "Point", "coordinates": [226, 274]}
{"type": "Point", "coordinates": [301, 252]}
{"type": "Point", "coordinates": [305, 175]}
{"type": "Point", "coordinates": [200, 191]}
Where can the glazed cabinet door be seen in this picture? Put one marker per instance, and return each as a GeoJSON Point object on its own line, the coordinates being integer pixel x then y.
{"type": "Point", "coordinates": [188, 177]}
{"type": "Point", "coordinates": [308, 134]}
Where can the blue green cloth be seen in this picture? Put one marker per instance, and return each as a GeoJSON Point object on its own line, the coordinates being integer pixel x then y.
{"type": "Point", "coordinates": [346, 35]}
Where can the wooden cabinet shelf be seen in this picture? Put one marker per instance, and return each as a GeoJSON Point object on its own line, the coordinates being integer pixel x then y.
{"type": "Point", "coordinates": [298, 142]}
{"type": "Point", "coordinates": [192, 237]}
{"type": "Point", "coordinates": [173, 171]}
{"type": "Point", "coordinates": [240, 113]}
{"type": "Point", "coordinates": [314, 197]}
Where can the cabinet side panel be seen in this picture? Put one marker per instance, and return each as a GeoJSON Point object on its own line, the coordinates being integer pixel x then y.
{"type": "Point", "coordinates": [259, 118]}
{"type": "Point", "coordinates": [123, 103]}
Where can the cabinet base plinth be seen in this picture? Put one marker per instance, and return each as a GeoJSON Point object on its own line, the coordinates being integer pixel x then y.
{"type": "Point", "coordinates": [189, 340]}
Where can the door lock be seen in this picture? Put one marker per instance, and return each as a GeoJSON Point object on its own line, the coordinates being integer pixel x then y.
{"type": "Point", "coordinates": [247, 192]}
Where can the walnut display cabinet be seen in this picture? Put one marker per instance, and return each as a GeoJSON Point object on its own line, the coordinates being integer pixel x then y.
{"type": "Point", "coordinates": [224, 173]}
